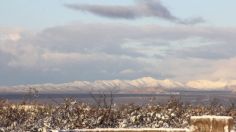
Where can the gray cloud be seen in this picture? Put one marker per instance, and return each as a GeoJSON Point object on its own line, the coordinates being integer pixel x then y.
{"type": "Point", "coordinates": [215, 51]}
{"type": "Point", "coordinates": [143, 8]}
{"type": "Point", "coordinates": [191, 21]}
{"type": "Point", "coordinates": [111, 51]}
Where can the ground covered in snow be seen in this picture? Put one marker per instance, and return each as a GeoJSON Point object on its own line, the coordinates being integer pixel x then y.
{"type": "Point", "coordinates": [103, 114]}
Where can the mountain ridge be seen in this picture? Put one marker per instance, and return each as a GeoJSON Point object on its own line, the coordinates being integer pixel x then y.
{"type": "Point", "coordinates": [140, 85]}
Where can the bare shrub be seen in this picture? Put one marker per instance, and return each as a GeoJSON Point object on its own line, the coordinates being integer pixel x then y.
{"type": "Point", "coordinates": [71, 114]}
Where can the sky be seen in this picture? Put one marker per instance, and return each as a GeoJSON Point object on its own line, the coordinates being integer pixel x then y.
{"type": "Point", "coordinates": [60, 41]}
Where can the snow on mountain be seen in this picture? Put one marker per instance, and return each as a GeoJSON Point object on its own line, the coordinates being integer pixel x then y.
{"type": "Point", "coordinates": [170, 84]}
{"type": "Point", "coordinates": [140, 85]}
{"type": "Point", "coordinates": [206, 84]}
{"type": "Point", "coordinates": [151, 82]}
{"type": "Point", "coordinates": [211, 85]}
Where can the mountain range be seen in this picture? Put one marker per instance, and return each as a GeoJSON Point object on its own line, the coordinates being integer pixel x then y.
{"type": "Point", "coordinates": [140, 85]}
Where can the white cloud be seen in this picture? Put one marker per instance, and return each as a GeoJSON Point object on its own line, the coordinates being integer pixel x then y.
{"type": "Point", "coordinates": [127, 71]}
{"type": "Point", "coordinates": [7, 34]}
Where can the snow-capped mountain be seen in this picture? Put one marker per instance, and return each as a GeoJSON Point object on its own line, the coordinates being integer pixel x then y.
{"type": "Point", "coordinates": [141, 85]}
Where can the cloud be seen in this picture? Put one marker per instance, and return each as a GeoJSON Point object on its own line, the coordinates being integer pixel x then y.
{"type": "Point", "coordinates": [94, 51]}
{"type": "Point", "coordinates": [186, 69]}
{"type": "Point", "coordinates": [142, 8]}
{"type": "Point", "coordinates": [191, 21]}
{"type": "Point", "coordinates": [10, 34]}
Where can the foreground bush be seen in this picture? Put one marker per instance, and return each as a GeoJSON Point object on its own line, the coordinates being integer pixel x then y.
{"type": "Point", "coordinates": [74, 115]}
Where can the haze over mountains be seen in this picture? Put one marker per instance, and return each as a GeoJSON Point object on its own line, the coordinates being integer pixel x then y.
{"type": "Point", "coordinates": [141, 85]}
